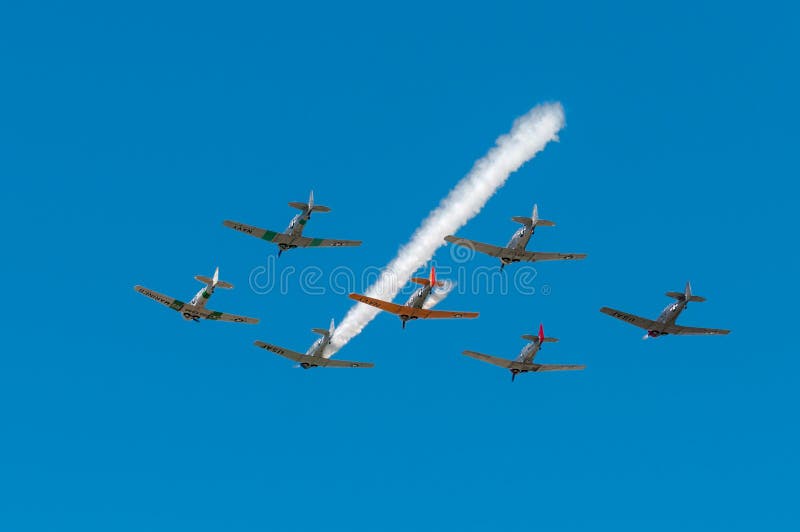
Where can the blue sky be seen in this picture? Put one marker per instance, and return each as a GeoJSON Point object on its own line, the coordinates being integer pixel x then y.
{"type": "Point", "coordinates": [128, 133]}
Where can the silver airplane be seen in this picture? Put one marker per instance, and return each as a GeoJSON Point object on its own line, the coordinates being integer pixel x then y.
{"type": "Point", "coordinates": [293, 237]}
{"type": "Point", "coordinates": [415, 306]}
{"type": "Point", "coordinates": [196, 309]}
{"type": "Point", "coordinates": [515, 249]}
{"type": "Point", "coordinates": [524, 362]}
{"type": "Point", "coordinates": [314, 357]}
{"type": "Point", "coordinates": [665, 324]}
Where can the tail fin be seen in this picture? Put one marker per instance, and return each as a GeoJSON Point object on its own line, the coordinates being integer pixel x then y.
{"type": "Point", "coordinates": [534, 220]}
{"type": "Point", "coordinates": [430, 281]}
{"type": "Point", "coordinates": [539, 222]}
{"type": "Point", "coordinates": [214, 281]}
{"type": "Point", "coordinates": [686, 295]}
{"type": "Point", "coordinates": [316, 208]}
{"type": "Point", "coordinates": [541, 338]}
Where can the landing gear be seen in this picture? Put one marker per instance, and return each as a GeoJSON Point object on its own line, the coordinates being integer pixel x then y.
{"type": "Point", "coordinates": [404, 319]}
{"type": "Point", "coordinates": [192, 317]}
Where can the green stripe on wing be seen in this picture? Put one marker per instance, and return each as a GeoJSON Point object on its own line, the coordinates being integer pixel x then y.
{"type": "Point", "coordinates": [269, 235]}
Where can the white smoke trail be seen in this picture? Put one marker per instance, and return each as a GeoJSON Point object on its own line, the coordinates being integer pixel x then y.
{"type": "Point", "coordinates": [528, 136]}
{"type": "Point", "coordinates": [438, 294]}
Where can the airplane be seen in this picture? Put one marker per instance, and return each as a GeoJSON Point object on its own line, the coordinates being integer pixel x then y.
{"type": "Point", "coordinates": [314, 356]}
{"type": "Point", "coordinates": [665, 324]}
{"type": "Point", "coordinates": [413, 309]}
{"type": "Point", "coordinates": [196, 308]}
{"type": "Point", "coordinates": [524, 362]}
{"type": "Point", "coordinates": [515, 249]}
{"type": "Point", "coordinates": [293, 237]}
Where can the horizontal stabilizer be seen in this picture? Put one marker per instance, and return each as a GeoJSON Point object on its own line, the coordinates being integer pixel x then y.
{"type": "Point", "coordinates": [532, 338]}
{"type": "Point", "coordinates": [323, 332]}
{"type": "Point", "coordinates": [425, 282]}
{"type": "Point", "coordinates": [304, 206]}
{"type": "Point", "coordinates": [208, 280]}
{"type": "Point", "coordinates": [680, 297]}
{"type": "Point", "coordinates": [529, 221]}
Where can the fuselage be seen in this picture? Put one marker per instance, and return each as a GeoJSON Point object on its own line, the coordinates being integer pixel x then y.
{"type": "Point", "coordinates": [528, 352]}
{"type": "Point", "coordinates": [317, 349]}
{"type": "Point", "coordinates": [295, 228]}
{"type": "Point", "coordinates": [298, 223]}
{"type": "Point", "coordinates": [669, 316]}
{"type": "Point", "coordinates": [198, 301]}
{"type": "Point", "coordinates": [417, 299]}
{"type": "Point", "coordinates": [519, 240]}
{"type": "Point", "coordinates": [526, 356]}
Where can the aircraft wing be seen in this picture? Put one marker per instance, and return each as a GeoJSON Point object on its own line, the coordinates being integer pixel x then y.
{"type": "Point", "coordinates": [306, 242]}
{"type": "Point", "coordinates": [638, 321]}
{"type": "Point", "coordinates": [521, 366]}
{"type": "Point", "coordinates": [224, 316]}
{"type": "Point", "coordinates": [167, 301]}
{"type": "Point", "coordinates": [512, 254]}
{"type": "Point", "coordinates": [537, 256]}
{"type": "Point", "coordinates": [413, 312]}
{"type": "Point", "coordinates": [300, 358]}
{"type": "Point", "coordinates": [488, 249]}
{"type": "Point", "coordinates": [394, 308]}
{"type": "Point", "coordinates": [263, 234]}
{"type": "Point", "coordinates": [289, 240]}
{"type": "Point", "coordinates": [557, 367]}
{"type": "Point", "coordinates": [497, 361]}
{"type": "Point", "coordinates": [331, 363]}
{"type": "Point", "coordinates": [681, 330]}
{"type": "Point", "coordinates": [433, 314]}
